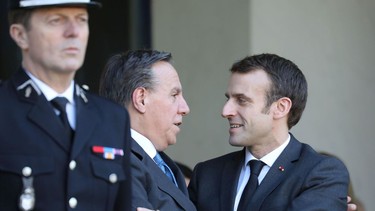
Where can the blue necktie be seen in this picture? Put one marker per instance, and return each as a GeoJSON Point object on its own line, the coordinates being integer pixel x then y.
{"type": "Point", "coordinates": [165, 168]}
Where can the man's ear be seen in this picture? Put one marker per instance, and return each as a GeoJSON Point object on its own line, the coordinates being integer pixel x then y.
{"type": "Point", "coordinates": [138, 99]}
{"type": "Point", "coordinates": [282, 107]}
{"type": "Point", "coordinates": [19, 35]}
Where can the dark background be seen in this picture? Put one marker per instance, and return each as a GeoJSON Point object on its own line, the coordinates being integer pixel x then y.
{"type": "Point", "coordinates": [118, 26]}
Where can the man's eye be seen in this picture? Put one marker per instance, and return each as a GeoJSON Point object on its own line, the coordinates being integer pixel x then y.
{"type": "Point", "coordinates": [83, 19]}
{"type": "Point", "coordinates": [241, 100]}
{"type": "Point", "coordinates": [55, 21]}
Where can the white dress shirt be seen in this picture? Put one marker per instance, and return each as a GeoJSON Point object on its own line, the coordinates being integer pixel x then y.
{"type": "Point", "coordinates": [145, 143]}
{"type": "Point", "coordinates": [268, 159]}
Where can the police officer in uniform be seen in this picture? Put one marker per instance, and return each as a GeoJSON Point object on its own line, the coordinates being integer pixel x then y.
{"type": "Point", "coordinates": [61, 148]}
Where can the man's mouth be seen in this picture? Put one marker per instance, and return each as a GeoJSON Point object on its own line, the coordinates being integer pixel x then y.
{"type": "Point", "coordinates": [235, 125]}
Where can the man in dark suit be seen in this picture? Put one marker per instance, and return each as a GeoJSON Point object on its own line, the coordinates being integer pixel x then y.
{"type": "Point", "coordinates": [266, 96]}
{"type": "Point", "coordinates": [145, 82]}
{"type": "Point", "coordinates": [61, 148]}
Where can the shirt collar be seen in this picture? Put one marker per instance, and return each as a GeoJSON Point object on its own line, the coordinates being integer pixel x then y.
{"type": "Point", "coordinates": [271, 157]}
{"type": "Point", "coordinates": [49, 93]}
{"type": "Point", "coordinates": [144, 142]}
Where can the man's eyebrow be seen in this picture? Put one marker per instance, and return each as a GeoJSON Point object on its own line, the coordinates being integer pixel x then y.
{"type": "Point", "coordinates": [241, 95]}
{"type": "Point", "coordinates": [236, 95]}
{"type": "Point", "coordinates": [177, 89]}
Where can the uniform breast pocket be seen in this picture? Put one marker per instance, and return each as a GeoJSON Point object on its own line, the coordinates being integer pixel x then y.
{"type": "Point", "coordinates": [108, 170]}
{"type": "Point", "coordinates": [26, 165]}
{"type": "Point", "coordinates": [19, 178]}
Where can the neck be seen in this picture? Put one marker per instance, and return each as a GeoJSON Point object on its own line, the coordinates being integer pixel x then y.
{"type": "Point", "coordinates": [268, 144]}
{"type": "Point", "coordinates": [58, 80]}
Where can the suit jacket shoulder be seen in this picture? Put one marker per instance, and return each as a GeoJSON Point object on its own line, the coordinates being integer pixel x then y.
{"type": "Point", "coordinates": [308, 177]}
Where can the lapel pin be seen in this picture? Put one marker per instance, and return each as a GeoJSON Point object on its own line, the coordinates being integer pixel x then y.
{"type": "Point", "coordinates": [281, 168]}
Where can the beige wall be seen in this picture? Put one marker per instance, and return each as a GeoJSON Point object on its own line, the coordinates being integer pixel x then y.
{"type": "Point", "coordinates": [332, 41]}
{"type": "Point", "coordinates": [204, 38]}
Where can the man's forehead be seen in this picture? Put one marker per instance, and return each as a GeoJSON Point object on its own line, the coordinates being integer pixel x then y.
{"type": "Point", "coordinates": [64, 9]}
{"type": "Point", "coordinates": [40, 14]}
{"type": "Point", "coordinates": [243, 83]}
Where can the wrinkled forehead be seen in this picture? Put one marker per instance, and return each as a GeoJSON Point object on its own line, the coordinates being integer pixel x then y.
{"type": "Point", "coordinates": [165, 75]}
{"type": "Point", "coordinates": [164, 70]}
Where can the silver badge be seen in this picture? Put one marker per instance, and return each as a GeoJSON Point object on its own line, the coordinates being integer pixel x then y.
{"type": "Point", "coordinates": [27, 198]}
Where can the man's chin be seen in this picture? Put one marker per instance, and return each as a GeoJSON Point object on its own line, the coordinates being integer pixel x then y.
{"type": "Point", "coordinates": [235, 143]}
{"type": "Point", "coordinates": [73, 64]}
{"type": "Point", "coordinates": [172, 140]}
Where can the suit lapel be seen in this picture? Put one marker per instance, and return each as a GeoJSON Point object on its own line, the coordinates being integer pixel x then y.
{"type": "Point", "coordinates": [167, 186]}
{"type": "Point", "coordinates": [180, 179]}
{"type": "Point", "coordinates": [230, 174]}
{"type": "Point", "coordinates": [277, 173]}
{"type": "Point", "coordinates": [41, 112]}
{"type": "Point", "coordinates": [86, 121]}
{"type": "Point", "coordinates": [163, 183]}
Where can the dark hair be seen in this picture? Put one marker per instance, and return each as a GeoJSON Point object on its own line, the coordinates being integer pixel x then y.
{"type": "Point", "coordinates": [127, 71]}
{"type": "Point", "coordinates": [287, 80]}
{"type": "Point", "coordinates": [20, 16]}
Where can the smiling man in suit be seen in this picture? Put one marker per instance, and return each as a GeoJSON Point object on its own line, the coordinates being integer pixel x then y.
{"type": "Point", "coordinates": [61, 148]}
{"type": "Point", "coordinates": [266, 96]}
{"type": "Point", "coordinates": [146, 83]}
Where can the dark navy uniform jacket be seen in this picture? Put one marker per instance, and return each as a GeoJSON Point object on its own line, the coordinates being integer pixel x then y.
{"type": "Point", "coordinates": [90, 175]}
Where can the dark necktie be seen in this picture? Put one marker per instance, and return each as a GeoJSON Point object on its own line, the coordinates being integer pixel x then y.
{"type": "Point", "coordinates": [165, 168]}
{"type": "Point", "coordinates": [60, 104]}
{"type": "Point", "coordinates": [252, 184]}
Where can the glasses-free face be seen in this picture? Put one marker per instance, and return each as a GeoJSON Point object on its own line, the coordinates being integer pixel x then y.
{"type": "Point", "coordinates": [165, 106]}
{"type": "Point", "coordinates": [55, 42]}
{"type": "Point", "coordinates": [250, 123]}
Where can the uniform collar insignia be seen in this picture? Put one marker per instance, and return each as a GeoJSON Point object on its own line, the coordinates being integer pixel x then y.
{"type": "Point", "coordinates": [81, 93]}
{"type": "Point", "coordinates": [29, 86]}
